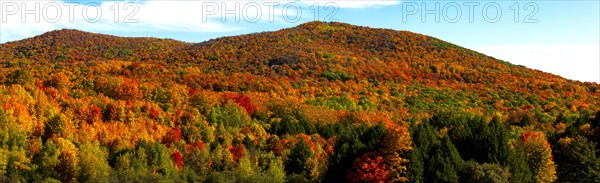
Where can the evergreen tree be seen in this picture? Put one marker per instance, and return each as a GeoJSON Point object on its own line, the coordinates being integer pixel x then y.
{"type": "Point", "coordinates": [473, 172]}
{"type": "Point", "coordinates": [499, 150]}
{"type": "Point", "coordinates": [423, 137]}
{"type": "Point", "coordinates": [517, 164]}
{"type": "Point", "coordinates": [579, 161]}
{"type": "Point", "coordinates": [353, 141]}
{"type": "Point", "coordinates": [485, 143]}
{"type": "Point", "coordinates": [297, 158]}
{"type": "Point", "coordinates": [434, 158]}
{"type": "Point", "coordinates": [443, 163]}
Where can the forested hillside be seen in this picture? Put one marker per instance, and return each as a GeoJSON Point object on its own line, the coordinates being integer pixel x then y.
{"type": "Point", "coordinates": [321, 102]}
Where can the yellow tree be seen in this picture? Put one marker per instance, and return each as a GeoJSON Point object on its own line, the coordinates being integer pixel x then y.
{"type": "Point", "coordinates": [539, 156]}
{"type": "Point", "coordinates": [69, 161]}
{"type": "Point", "coordinates": [396, 145]}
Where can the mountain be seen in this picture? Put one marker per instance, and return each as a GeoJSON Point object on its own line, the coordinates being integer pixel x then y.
{"type": "Point", "coordinates": [330, 52]}
{"type": "Point", "coordinates": [314, 102]}
{"type": "Point", "coordinates": [68, 45]}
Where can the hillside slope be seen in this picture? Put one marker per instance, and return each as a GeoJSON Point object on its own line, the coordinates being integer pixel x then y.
{"type": "Point", "coordinates": [326, 53]}
{"type": "Point", "coordinates": [317, 102]}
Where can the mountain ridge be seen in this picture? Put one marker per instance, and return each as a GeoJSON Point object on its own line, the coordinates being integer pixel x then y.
{"type": "Point", "coordinates": [311, 37]}
{"type": "Point", "coordinates": [181, 46]}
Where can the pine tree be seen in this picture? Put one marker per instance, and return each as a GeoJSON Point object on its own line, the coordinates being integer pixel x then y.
{"type": "Point", "coordinates": [423, 136]}
{"type": "Point", "coordinates": [517, 164]}
{"type": "Point", "coordinates": [579, 161]}
{"type": "Point", "coordinates": [473, 172]}
{"type": "Point", "coordinates": [298, 157]}
{"type": "Point", "coordinates": [437, 160]}
{"type": "Point", "coordinates": [444, 162]}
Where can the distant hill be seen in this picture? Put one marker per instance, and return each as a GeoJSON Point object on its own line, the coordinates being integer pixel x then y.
{"type": "Point", "coordinates": [69, 45]}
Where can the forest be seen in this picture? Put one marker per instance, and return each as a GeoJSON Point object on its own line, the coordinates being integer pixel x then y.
{"type": "Point", "coordinates": [320, 102]}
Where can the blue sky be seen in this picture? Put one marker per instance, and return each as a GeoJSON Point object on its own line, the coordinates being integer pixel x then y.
{"type": "Point", "coordinates": [561, 37]}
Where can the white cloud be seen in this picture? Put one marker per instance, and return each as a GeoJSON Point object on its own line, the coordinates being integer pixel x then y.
{"type": "Point", "coordinates": [159, 15]}
{"type": "Point", "coordinates": [354, 3]}
{"type": "Point", "coordinates": [572, 61]}
{"type": "Point", "coordinates": [149, 16]}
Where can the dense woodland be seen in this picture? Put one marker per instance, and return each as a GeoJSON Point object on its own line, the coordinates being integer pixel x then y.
{"type": "Point", "coordinates": [321, 102]}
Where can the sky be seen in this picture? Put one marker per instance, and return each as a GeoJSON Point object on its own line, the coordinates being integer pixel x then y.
{"type": "Point", "coordinates": [557, 36]}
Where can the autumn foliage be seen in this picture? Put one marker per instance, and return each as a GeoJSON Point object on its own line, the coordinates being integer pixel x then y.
{"type": "Point", "coordinates": [172, 136]}
{"type": "Point", "coordinates": [370, 168]}
{"type": "Point", "coordinates": [177, 159]}
{"type": "Point", "coordinates": [320, 102]}
{"type": "Point", "coordinates": [243, 101]}
{"type": "Point", "coordinates": [539, 154]}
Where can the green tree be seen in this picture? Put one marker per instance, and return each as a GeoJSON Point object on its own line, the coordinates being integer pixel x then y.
{"type": "Point", "coordinates": [68, 167]}
{"type": "Point", "coordinates": [275, 172]}
{"type": "Point", "coordinates": [416, 167]}
{"type": "Point", "coordinates": [434, 158]}
{"type": "Point", "coordinates": [423, 137]}
{"type": "Point", "coordinates": [222, 159]}
{"type": "Point", "coordinates": [55, 125]}
{"type": "Point", "coordinates": [159, 159]}
{"type": "Point", "coordinates": [19, 164]}
{"type": "Point", "coordinates": [579, 161]}
{"type": "Point", "coordinates": [47, 160]}
{"type": "Point", "coordinates": [231, 115]}
{"type": "Point", "coordinates": [352, 142]}
{"type": "Point", "coordinates": [245, 171]}
{"type": "Point", "coordinates": [473, 172]}
{"type": "Point", "coordinates": [517, 164]}
{"type": "Point", "coordinates": [443, 163]}
{"type": "Point", "coordinates": [298, 157]}
{"type": "Point", "coordinates": [198, 160]}
{"type": "Point", "coordinates": [20, 76]}
{"type": "Point", "coordinates": [93, 164]}
{"type": "Point", "coordinates": [477, 140]}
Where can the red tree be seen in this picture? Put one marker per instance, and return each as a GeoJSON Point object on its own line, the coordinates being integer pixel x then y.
{"type": "Point", "coordinates": [237, 151]}
{"type": "Point", "coordinates": [369, 168]}
{"type": "Point", "coordinates": [172, 136]}
{"type": "Point", "coordinates": [177, 159]}
{"type": "Point", "coordinates": [243, 101]}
